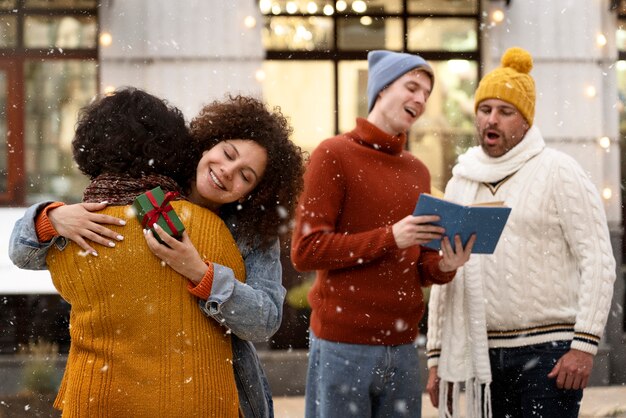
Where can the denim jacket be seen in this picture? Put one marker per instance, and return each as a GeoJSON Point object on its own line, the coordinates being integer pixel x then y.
{"type": "Point", "coordinates": [251, 310]}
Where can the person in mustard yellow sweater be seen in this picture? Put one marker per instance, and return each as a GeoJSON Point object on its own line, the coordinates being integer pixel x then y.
{"type": "Point", "coordinates": [140, 345]}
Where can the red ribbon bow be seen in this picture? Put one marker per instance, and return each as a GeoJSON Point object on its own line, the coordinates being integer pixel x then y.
{"type": "Point", "coordinates": [152, 216]}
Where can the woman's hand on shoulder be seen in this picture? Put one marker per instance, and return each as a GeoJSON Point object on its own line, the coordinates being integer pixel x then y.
{"type": "Point", "coordinates": [80, 224]}
{"type": "Point", "coordinates": [181, 255]}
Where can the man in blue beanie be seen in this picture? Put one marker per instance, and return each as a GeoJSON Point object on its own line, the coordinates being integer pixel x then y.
{"type": "Point", "coordinates": [354, 227]}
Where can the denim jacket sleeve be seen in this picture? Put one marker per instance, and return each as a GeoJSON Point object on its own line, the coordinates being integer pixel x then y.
{"type": "Point", "coordinates": [253, 310]}
{"type": "Point", "coordinates": [25, 250]}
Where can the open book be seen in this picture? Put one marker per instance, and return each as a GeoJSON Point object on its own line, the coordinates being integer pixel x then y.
{"type": "Point", "coordinates": [486, 220]}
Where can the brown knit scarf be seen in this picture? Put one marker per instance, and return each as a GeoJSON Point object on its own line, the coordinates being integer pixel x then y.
{"type": "Point", "coordinates": [122, 190]}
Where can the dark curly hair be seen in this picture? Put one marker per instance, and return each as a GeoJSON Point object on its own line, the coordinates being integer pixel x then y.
{"type": "Point", "coordinates": [133, 133]}
{"type": "Point", "coordinates": [269, 209]}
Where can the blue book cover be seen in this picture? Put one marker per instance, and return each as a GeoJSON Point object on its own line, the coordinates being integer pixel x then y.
{"type": "Point", "coordinates": [486, 220]}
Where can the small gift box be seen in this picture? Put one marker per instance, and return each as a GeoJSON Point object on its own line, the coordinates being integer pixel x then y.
{"type": "Point", "coordinates": [153, 207]}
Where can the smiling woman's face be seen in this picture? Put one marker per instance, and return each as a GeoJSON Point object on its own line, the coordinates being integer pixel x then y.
{"type": "Point", "coordinates": [228, 172]}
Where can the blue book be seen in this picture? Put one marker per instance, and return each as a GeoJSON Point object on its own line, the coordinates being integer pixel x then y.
{"type": "Point", "coordinates": [486, 220]}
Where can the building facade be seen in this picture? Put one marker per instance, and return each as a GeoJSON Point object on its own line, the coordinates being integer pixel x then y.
{"type": "Point", "coordinates": [309, 58]}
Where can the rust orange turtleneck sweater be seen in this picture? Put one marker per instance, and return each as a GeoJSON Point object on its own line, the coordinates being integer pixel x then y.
{"type": "Point", "coordinates": [367, 290]}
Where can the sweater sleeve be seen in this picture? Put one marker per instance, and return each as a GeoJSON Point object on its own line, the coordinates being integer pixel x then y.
{"type": "Point", "coordinates": [435, 320]}
{"type": "Point", "coordinates": [26, 250]}
{"type": "Point", "coordinates": [428, 268]}
{"type": "Point", "coordinates": [252, 310]}
{"type": "Point", "coordinates": [45, 230]}
{"type": "Point", "coordinates": [316, 244]}
{"type": "Point", "coordinates": [584, 225]}
{"type": "Point", "coordinates": [203, 289]}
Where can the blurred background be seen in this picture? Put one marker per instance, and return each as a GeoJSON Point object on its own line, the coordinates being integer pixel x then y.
{"type": "Point", "coordinates": [309, 58]}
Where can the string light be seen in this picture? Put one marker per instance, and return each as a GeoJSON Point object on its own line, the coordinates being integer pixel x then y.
{"type": "Point", "coordinates": [265, 6]}
{"type": "Point", "coordinates": [359, 6]}
{"type": "Point", "coordinates": [108, 90]}
{"type": "Point", "coordinates": [291, 7]}
{"type": "Point", "coordinates": [259, 75]}
{"type": "Point", "coordinates": [249, 22]}
{"type": "Point", "coordinates": [604, 142]}
{"type": "Point", "coordinates": [328, 10]}
{"type": "Point", "coordinates": [601, 39]}
{"type": "Point", "coordinates": [106, 39]}
{"type": "Point", "coordinates": [607, 193]}
{"type": "Point", "coordinates": [497, 16]}
{"type": "Point", "coordinates": [590, 91]}
{"type": "Point", "coordinates": [341, 5]}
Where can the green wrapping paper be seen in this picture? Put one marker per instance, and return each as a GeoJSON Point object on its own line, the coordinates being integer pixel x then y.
{"type": "Point", "coordinates": [154, 207]}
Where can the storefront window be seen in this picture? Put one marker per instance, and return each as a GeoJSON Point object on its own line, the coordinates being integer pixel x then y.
{"type": "Point", "coordinates": [29, 318]}
{"type": "Point", "coordinates": [443, 7]}
{"type": "Point", "coordinates": [55, 91]}
{"type": "Point", "coordinates": [316, 67]}
{"type": "Point", "coordinates": [446, 129]}
{"type": "Point", "coordinates": [352, 96]}
{"type": "Point", "coordinates": [60, 32]}
{"type": "Point", "coordinates": [4, 160]}
{"type": "Point", "coordinates": [304, 92]}
{"type": "Point", "coordinates": [8, 31]}
{"type": "Point", "coordinates": [61, 4]}
{"type": "Point", "coordinates": [369, 32]}
{"type": "Point", "coordinates": [620, 69]}
{"type": "Point", "coordinates": [298, 33]}
{"type": "Point", "coordinates": [442, 34]}
{"type": "Point", "coordinates": [326, 7]}
{"type": "Point", "coordinates": [50, 54]}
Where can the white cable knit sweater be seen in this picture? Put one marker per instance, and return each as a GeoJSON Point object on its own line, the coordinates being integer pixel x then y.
{"type": "Point", "coordinates": [551, 275]}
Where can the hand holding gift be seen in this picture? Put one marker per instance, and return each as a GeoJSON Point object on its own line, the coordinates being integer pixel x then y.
{"type": "Point", "coordinates": [153, 207]}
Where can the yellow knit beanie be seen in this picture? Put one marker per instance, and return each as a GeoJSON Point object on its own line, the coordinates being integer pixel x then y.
{"type": "Point", "coordinates": [511, 82]}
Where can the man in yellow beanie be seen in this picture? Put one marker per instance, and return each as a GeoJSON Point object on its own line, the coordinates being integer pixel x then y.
{"type": "Point", "coordinates": [520, 327]}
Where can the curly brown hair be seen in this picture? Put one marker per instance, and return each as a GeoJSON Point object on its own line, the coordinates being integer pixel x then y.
{"type": "Point", "coordinates": [269, 209]}
{"type": "Point", "coordinates": [133, 133]}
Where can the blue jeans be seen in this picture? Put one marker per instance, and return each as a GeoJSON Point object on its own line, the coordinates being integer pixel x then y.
{"type": "Point", "coordinates": [255, 396]}
{"type": "Point", "coordinates": [356, 380]}
{"type": "Point", "coordinates": [521, 387]}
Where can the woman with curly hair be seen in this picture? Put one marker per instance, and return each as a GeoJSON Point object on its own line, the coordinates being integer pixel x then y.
{"type": "Point", "coordinates": [248, 172]}
{"type": "Point", "coordinates": [221, 132]}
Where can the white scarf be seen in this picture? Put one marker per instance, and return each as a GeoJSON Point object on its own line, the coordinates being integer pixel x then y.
{"type": "Point", "coordinates": [464, 347]}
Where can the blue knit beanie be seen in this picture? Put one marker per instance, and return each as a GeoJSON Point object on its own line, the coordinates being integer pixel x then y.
{"type": "Point", "coordinates": [385, 67]}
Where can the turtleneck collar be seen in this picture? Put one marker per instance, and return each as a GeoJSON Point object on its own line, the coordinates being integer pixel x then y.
{"type": "Point", "coordinates": [371, 136]}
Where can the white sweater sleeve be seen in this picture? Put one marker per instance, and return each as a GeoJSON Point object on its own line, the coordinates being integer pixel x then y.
{"type": "Point", "coordinates": [436, 302]}
{"type": "Point", "coordinates": [585, 229]}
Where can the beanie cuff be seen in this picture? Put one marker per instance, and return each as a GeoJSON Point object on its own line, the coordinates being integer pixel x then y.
{"type": "Point", "coordinates": [385, 67]}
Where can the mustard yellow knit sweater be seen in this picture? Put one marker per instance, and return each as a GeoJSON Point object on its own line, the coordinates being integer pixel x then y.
{"type": "Point", "coordinates": [141, 347]}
